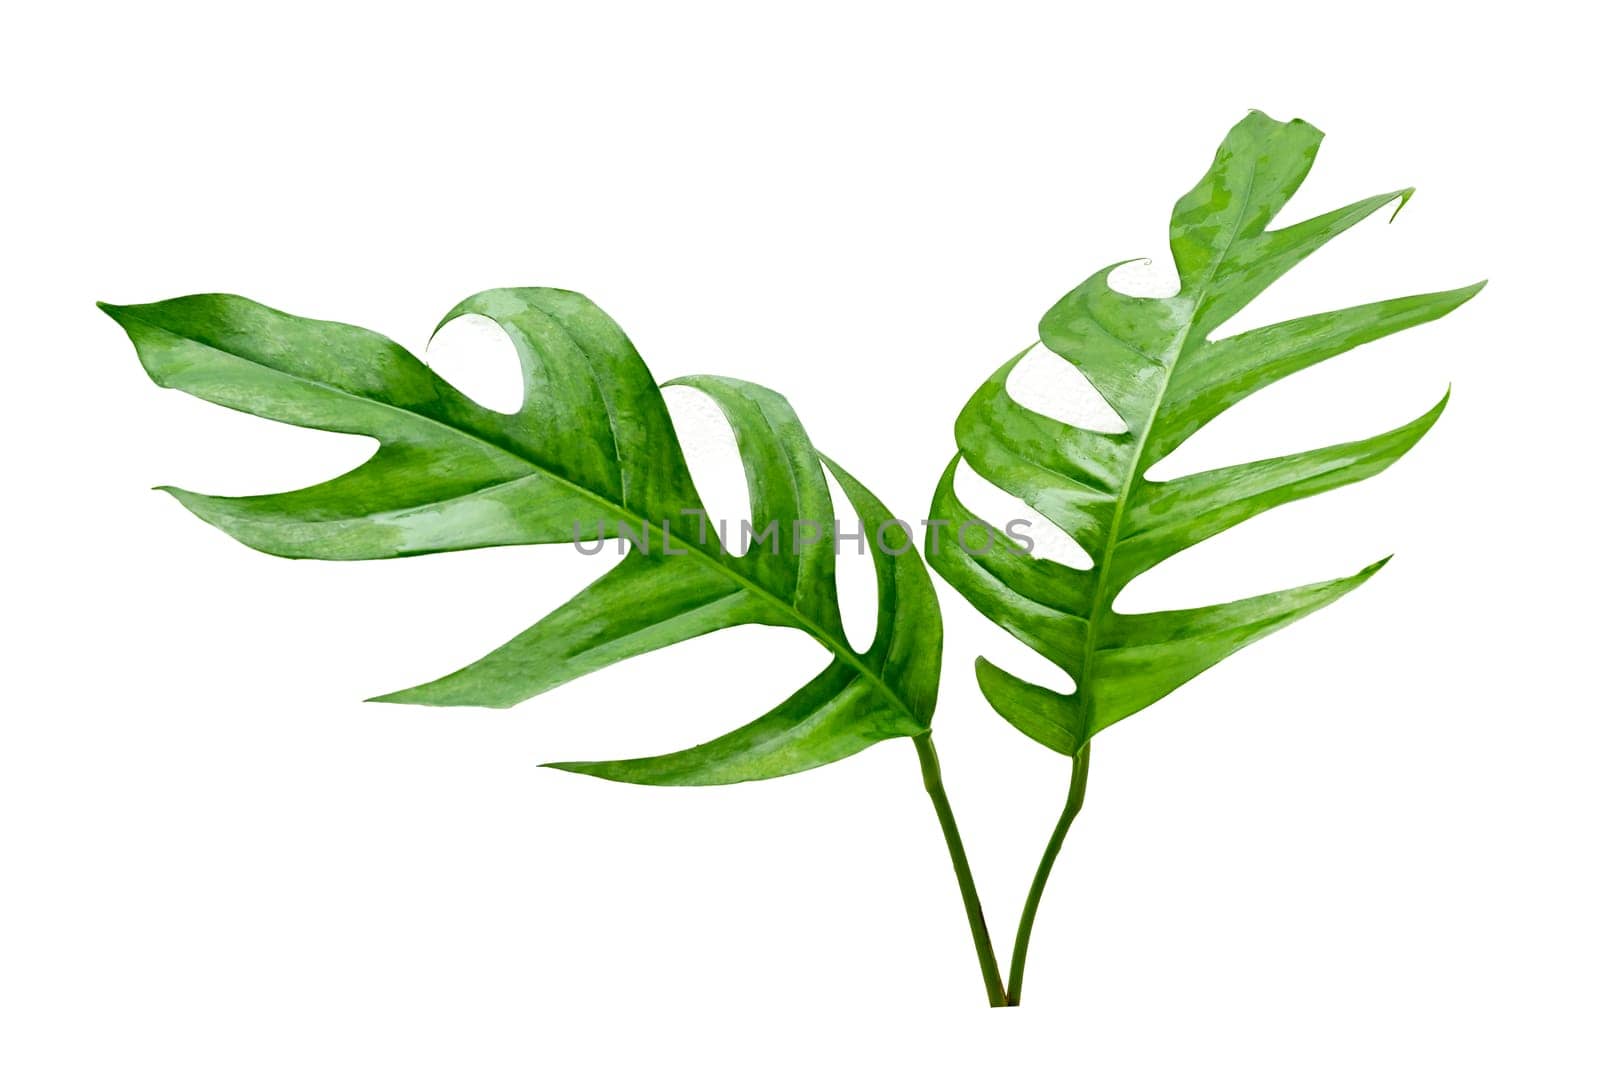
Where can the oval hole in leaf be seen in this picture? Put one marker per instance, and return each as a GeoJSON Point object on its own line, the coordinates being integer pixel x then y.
{"type": "Point", "coordinates": [1145, 279]}
{"type": "Point", "coordinates": [712, 453]}
{"type": "Point", "coordinates": [854, 574]}
{"type": "Point", "coordinates": [1049, 384]}
{"type": "Point", "coordinates": [1024, 663]}
{"type": "Point", "coordinates": [998, 507]}
{"type": "Point", "coordinates": [476, 356]}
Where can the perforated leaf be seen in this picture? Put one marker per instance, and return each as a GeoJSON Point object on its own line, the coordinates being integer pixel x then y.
{"type": "Point", "coordinates": [591, 452]}
{"type": "Point", "coordinates": [1153, 361]}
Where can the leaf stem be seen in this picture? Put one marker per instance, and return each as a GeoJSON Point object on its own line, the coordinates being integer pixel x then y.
{"type": "Point", "coordinates": [1030, 909]}
{"type": "Point", "coordinates": [934, 782]}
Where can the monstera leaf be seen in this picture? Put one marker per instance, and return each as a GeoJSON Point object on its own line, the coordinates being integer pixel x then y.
{"type": "Point", "coordinates": [1154, 363]}
{"type": "Point", "coordinates": [591, 453]}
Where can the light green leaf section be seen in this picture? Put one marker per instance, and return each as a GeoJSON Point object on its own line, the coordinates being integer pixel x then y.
{"type": "Point", "coordinates": [1154, 363]}
{"type": "Point", "coordinates": [592, 449]}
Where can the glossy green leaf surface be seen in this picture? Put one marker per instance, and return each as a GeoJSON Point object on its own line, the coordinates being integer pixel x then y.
{"type": "Point", "coordinates": [592, 449]}
{"type": "Point", "coordinates": [1153, 362]}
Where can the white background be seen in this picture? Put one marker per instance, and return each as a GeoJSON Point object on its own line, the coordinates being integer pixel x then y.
{"type": "Point", "coordinates": [1371, 837]}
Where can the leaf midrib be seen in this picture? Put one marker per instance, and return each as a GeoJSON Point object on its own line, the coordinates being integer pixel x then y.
{"type": "Point", "coordinates": [1099, 607]}
{"type": "Point", "coordinates": [838, 648]}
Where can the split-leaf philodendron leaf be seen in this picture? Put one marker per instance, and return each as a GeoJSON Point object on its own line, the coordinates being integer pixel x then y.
{"type": "Point", "coordinates": [1153, 361]}
{"type": "Point", "coordinates": [591, 448]}
{"type": "Point", "coordinates": [592, 454]}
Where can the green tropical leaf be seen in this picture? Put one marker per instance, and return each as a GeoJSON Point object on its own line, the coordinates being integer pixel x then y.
{"type": "Point", "coordinates": [592, 449]}
{"type": "Point", "coordinates": [1153, 362]}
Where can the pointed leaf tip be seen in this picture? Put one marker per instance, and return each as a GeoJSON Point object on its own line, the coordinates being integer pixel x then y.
{"type": "Point", "coordinates": [415, 696]}
{"type": "Point", "coordinates": [1405, 198]}
{"type": "Point", "coordinates": [609, 771]}
{"type": "Point", "coordinates": [598, 770]}
{"type": "Point", "coordinates": [1368, 571]}
{"type": "Point", "coordinates": [117, 312]}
